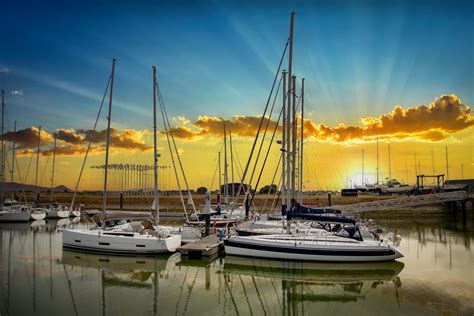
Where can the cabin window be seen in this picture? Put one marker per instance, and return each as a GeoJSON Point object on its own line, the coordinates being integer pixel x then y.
{"type": "Point", "coordinates": [142, 246]}
{"type": "Point", "coordinates": [104, 244]}
{"type": "Point", "coordinates": [77, 240]}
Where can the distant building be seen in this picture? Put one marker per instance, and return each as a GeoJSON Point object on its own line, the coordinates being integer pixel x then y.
{"type": "Point", "coordinates": [467, 183]}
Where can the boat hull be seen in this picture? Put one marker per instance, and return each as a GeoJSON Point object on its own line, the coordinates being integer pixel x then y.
{"type": "Point", "coordinates": [97, 241]}
{"type": "Point", "coordinates": [57, 214]}
{"type": "Point", "coordinates": [38, 215]}
{"type": "Point", "coordinates": [14, 216]}
{"type": "Point", "coordinates": [248, 247]}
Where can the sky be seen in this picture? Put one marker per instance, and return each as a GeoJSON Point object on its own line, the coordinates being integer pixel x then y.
{"type": "Point", "coordinates": [216, 61]}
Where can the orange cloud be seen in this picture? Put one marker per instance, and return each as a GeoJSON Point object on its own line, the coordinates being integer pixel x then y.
{"type": "Point", "coordinates": [445, 116]}
{"type": "Point", "coordinates": [76, 141]}
{"type": "Point", "coordinates": [245, 126]}
{"type": "Point", "coordinates": [28, 137]}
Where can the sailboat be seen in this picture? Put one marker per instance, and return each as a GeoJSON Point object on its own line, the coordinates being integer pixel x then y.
{"type": "Point", "coordinates": [342, 242]}
{"type": "Point", "coordinates": [13, 212]}
{"type": "Point", "coordinates": [222, 214]}
{"type": "Point", "coordinates": [123, 237]}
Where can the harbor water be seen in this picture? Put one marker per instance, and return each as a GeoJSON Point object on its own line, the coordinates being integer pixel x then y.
{"type": "Point", "coordinates": [436, 276]}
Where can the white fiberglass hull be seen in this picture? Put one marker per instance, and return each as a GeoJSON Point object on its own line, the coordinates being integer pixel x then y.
{"type": "Point", "coordinates": [14, 216]}
{"type": "Point", "coordinates": [38, 215]}
{"type": "Point", "coordinates": [57, 214]}
{"type": "Point", "coordinates": [119, 242]}
{"type": "Point", "coordinates": [288, 247]}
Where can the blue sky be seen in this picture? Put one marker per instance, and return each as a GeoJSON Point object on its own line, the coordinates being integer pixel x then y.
{"type": "Point", "coordinates": [218, 58]}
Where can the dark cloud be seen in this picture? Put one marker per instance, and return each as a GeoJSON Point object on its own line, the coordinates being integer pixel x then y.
{"type": "Point", "coordinates": [69, 136]}
{"type": "Point", "coordinates": [28, 137]}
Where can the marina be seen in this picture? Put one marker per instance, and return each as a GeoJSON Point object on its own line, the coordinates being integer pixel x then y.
{"type": "Point", "coordinates": [233, 158]}
{"type": "Point", "coordinates": [434, 277]}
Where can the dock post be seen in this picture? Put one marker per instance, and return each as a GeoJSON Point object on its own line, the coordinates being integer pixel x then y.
{"type": "Point", "coordinates": [329, 199]}
{"type": "Point", "coordinates": [208, 224]}
{"type": "Point", "coordinates": [121, 200]}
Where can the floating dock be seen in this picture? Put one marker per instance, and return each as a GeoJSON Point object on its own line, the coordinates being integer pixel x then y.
{"type": "Point", "coordinates": [205, 247]}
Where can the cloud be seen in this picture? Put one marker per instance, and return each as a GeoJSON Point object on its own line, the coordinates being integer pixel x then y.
{"type": "Point", "coordinates": [239, 125]}
{"type": "Point", "coordinates": [28, 137]}
{"type": "Point", "coordinates": [4, 69]}
{"type": "Point", "coordinates": [442, 118]}
{"type": "Point", "coordinates": [75, 141]}
{"type": "Point", "coordinates": [17, 92]}
{"type": "Point", "coordinates": [182, 119]}
{"type": "Point", "coordinates": [445, 116]}
{"type": "Point", "coordinates": [129, 139]}
{"type": "Point", "coordinates": [69, 136]}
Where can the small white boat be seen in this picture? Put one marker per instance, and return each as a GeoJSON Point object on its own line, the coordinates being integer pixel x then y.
{"type": "Point", "coordinates": [15, 214]}
{"type": "Point", "coordinates": [38, 214]}
{"type": "Point", "coordinates": [76, 213]}
{"type": "Point", "coordinates": [130, 238]}
{"type": "Point", "coordinates": [57, 212]}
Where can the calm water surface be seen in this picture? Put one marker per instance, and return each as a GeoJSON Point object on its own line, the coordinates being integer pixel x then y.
{"type": "Point", "coordinates": [435, 277]}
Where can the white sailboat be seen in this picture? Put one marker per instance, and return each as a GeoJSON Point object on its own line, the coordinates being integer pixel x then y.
{"type": "Point", "coordinates": [340, 243]}
{"type": "Point", "coordinates": [12, 212]}
{"type": "Point", "coordinates": [128, 238]}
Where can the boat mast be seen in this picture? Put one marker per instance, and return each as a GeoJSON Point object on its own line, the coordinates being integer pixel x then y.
{"type": "Point", "coordinates": [362, 180]}
{"type": "Point", "coordinates": [107, 144]}
{"type": "Point", "coordinates": [231, 163]}
{"type": "Point", "coordinates": [226, 180]}
{"type": "Point", "coordinates": [283, 147]}
{"type": "Point", "coordinates": [3, 150]}
{"type": "Point", "coordinates": [293, 149]}
{"type": "Point", "coordinates": [156, 201]}
{"type": "Point", "coordinates": [288, 120]}
{"type": "Point", "coordinates": [290, 180]}
{"type": "Point", "coordinates": [54, 160]}
{"type": "Point", "coordinates": [13, 158]}
{"type": "Point", "coordinates": [377, 160]}
{"type": "Point", "coordinates": [447, 164]}
{"type": "Point", "coordinates": [389, 163]}
{"type": "Point", "coordinates": [220, 183]}
{"type": "Point", "coordinates": [37, 162]}
{"type": "Point", "coordinates": [301, 141]}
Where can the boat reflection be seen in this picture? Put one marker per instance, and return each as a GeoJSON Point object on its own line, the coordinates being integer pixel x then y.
{"type": "Point", "coordinates": [314, 271]}
{"type": "Point", "coordinates": [304, 282]}
{"type": "Point", "coordinates": [118, 263]}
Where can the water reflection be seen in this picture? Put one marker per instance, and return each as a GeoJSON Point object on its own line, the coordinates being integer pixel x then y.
{"type": "Point", "coordinates": [39, 278]}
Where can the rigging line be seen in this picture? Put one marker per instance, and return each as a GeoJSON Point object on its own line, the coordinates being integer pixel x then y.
{"type": "Point", "coordinates": [264, 134]}
{"type": "Point", "coordinates": [260, 125]}
{"type": "Point", "coordinates": [273, 180]}
{"type": "Point", "coordinates": [321, 171]}
{"type": "Point", "coordinates": [172, 157]}
{"type": "Point", "coordinates": [266, 156]}
{"type": "Point", "coordinates": [309, 169]}
{"type": "Point", "coordinates": [28, 169]}
{"type": "Point", "coordinates": [277, 195]}
{"type": "Point", "coordinates": [44, 171]}
{"type": "Point", "coordinates": [19, 177]}
{"type": "Point", "coordinates": [90, 142]}
{"type": "Point", "coordinates": [176, 149]}
{"type": "Point", "coordinates": [214, 176]}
